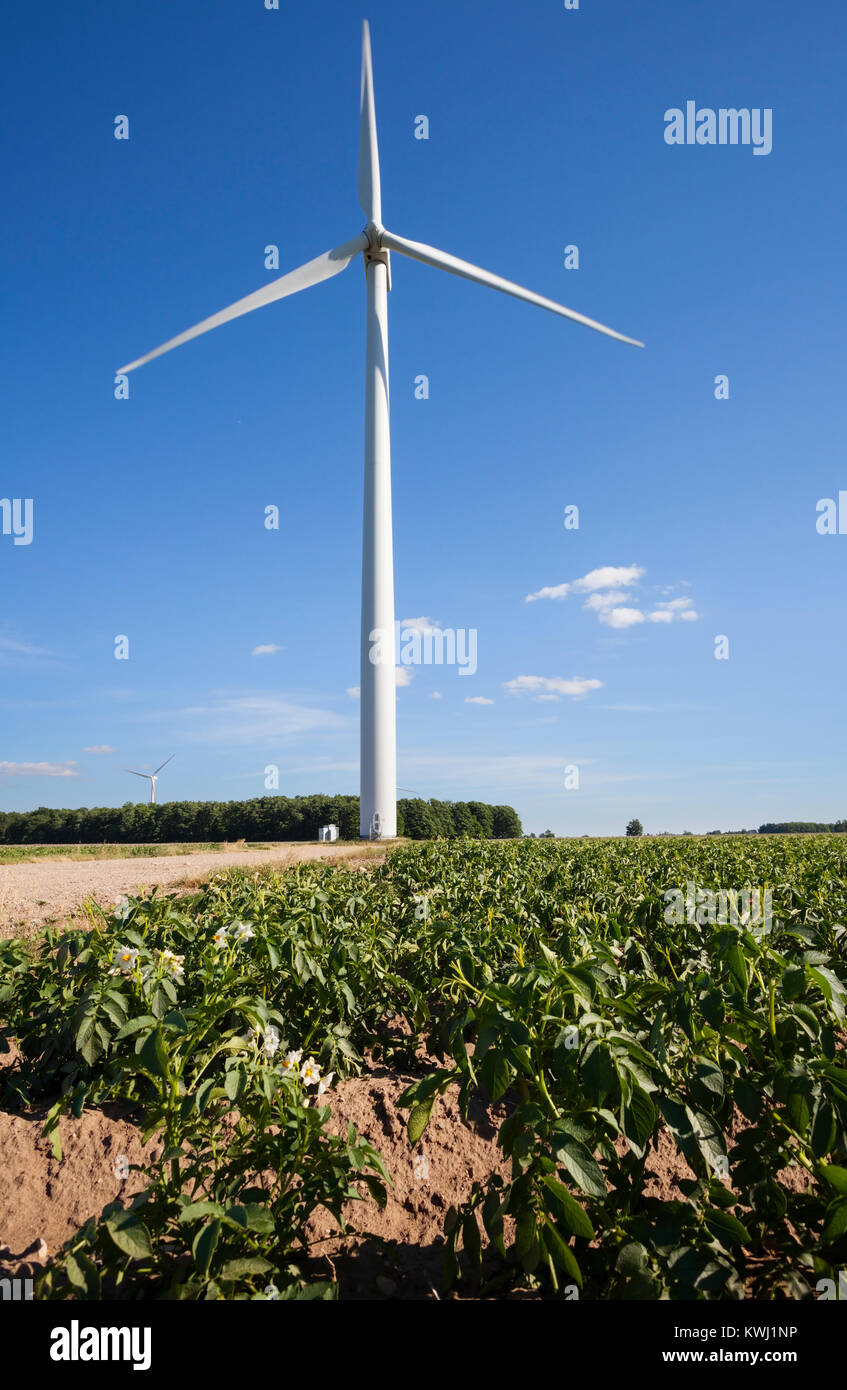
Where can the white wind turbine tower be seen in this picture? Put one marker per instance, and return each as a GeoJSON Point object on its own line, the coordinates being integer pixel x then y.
{"type": "Point", "coordinates": [152, 776]}
{"type": "Point", "coordinates": [378, 750]}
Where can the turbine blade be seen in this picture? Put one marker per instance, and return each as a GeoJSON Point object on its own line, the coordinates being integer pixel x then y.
{"type": "Point", "coordinates": [164, 764]}
{"type": "Point", "coordinates": [370, 196]}
{"type": "Point", "coordinates": [429, 255]}
{"type": "Point", "coordinates": [322, 268]}
{"type": "Point", "coordinates": [136, 774]}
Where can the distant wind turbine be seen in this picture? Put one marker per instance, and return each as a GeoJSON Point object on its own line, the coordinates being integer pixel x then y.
{"type": "Point", "coordinates": [378, 737]}
{"type": "Point", "coordinates": [152, 776]}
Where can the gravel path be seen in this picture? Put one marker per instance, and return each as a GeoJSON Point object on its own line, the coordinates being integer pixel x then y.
{"type": "Point", "coordinates": [53, 890]}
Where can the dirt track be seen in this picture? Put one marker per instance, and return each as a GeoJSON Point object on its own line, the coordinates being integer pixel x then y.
{"type": "Point", "coordinates": [54, 890]}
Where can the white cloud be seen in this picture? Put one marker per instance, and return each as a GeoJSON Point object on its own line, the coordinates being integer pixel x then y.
{"type": "Point", "coordinates": [69, 769]}
{"type": "Point", "coordinates": [478, 700]}
{"type": "Point", "coordinates": [598, 601]}
{"type": "Point", "coordinates": [554, 686]}
{"type": "Point", "coordinates": [353, 691]}
{"type": "Point", "coordinates": [622, 617]}
{"type": "Point", "coordinates": [673, 609]}
{"type": "Point", "coordinates": [403, 676]}
{"type": "Point", "coordinates": [436, 695]}
{"type": "Point", "coordinates": [606, 577]}
{"type": "Point", "coordinates": [607, 598]}
{"type": "Point", "coordinates": [266, 649]}
{"type": "Point", "coordinates": [556, 591]}
{"type": "Point", "coordinates": [99, 748]}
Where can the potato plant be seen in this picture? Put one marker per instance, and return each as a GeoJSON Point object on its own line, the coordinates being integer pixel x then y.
{"type": "Point", "coordinates": [548, 979]}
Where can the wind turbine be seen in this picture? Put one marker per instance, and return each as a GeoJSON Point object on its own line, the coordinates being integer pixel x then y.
{"type": "Point", "coordinates": [153, 777]}
{"type": "Point", "coordinates": [378, 737]}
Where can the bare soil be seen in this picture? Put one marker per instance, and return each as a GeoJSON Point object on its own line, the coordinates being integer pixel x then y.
{"type": "Point", "coordinates": [397, 1252]}
{"type": "Point", "coordinates": [53, 890]}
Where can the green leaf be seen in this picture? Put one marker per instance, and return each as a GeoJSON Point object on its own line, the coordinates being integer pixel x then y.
{"type": "Point", "coordinates": [737, 965]}
{"type": "Point", "coordinates": [582, 1166]}
{"type": "Point", "coordinates": [793, 982]}
{"type": "Point", "coordinates": [562, 1254]}
{"type": "Point", "coordinates": [153, 1055]}
{"type": "Point", "coordinates": [135, 1025]}
{"type": "Point", "coordinates": [836, 1177]}
{"type": "Point", "coordinates": [639, 1119]}
{"type": "Point", "coordinates": [86, 1028]}
{"type": "Point", "coordinates": [835, 1221]}
{"type": "Point", "coordinates": [496, 1075]}
{"type": "Point", "coordinates": [259, 1218]}
{"type": "Point", "coordinates": [242, 1269]}
{"type": "Point", "coordinates": [203, 1094]}
{"type": "Point", "coordinates": [574, 1216]}
{"type": "Point", "coordinates": [131, 1237]}
{"type": "Point", "coordinates": [632, 1258]}
{"type": "Point", "coordinates": [418, 1120]}
{"type": "Point", "coordinates": [235, 1081]}
{"type": "Point", "coordinates": [195, 1210]}
{"type": "Point", "coordinates": [831, 987]}
{"type": "Point", "coordinates": [204, 1245]}
{"type": "Point", "coordinates": [599, 1074]}
{"type": "Point", "coordinates": [726, 1228]}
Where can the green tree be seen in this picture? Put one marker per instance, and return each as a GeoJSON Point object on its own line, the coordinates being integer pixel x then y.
{"type": "Point", "coordinates": [635, 827]}
{"type": "Point", "coordinates": [507, 825]}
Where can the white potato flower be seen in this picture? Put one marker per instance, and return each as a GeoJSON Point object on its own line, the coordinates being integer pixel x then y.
{"type": "Point", "coordinates": [310, 1072]}
{"type": "Point", "coordinates": [125, 958]}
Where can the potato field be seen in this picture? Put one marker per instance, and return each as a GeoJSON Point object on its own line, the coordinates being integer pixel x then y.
{"type": "Point", "coordinates": [595, 999]}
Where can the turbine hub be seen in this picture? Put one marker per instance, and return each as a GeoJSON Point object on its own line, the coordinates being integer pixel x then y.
{"type": "Point", "coordinates": [375, 251]}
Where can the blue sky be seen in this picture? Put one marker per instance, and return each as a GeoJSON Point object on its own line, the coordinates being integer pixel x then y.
{"type": "Point", "coordinates": [546, 130]}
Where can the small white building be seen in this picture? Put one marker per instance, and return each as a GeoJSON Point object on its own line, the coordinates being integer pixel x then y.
{"type": "Point", "coordinates": [328, 832]}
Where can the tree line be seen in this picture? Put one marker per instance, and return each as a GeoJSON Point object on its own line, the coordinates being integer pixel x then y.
{"type": "Point", "coordinates": [261, 818]}
{"type": "Point", "coordinates": [801, 827]}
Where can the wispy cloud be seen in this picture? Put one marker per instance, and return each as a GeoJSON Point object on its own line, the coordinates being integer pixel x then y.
{"type": "Point", "coordinates": [353, 692]}
{"type": "Point", "coordinates": [478, 700]}
{"type": "Point", "coordinates": [14, 653]}
{"type": "Point", "coordinates": [266, 649]}
{"type": "Point", "coordinates": [99, 748]}
{"type": "Point", "coordinates": [505, 774]}
{"type": "Point", "coordinates": [249, 719]}
{"type": "Point", "coordinates": [69, 769]}
{"type": "Point", "coordinates": [552, 687]}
